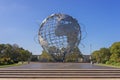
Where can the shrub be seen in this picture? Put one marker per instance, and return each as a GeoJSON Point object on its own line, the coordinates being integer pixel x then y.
{"type": "Point", "coordinates": [108, 62]}
{"type": "Point", "coordinates": [117, 64]}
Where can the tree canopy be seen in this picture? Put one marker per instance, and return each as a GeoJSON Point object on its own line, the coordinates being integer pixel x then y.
{"type": "Point", "coordinates": [115, 51]}
{"type": "Point", "coordinates": [10, 54]}
{"type": "Point", "coordinates": [109, 55]}
{"type": "Point", "coordinates": [101, 56]}
{"type": "Point", "coordinates": [45, 57]}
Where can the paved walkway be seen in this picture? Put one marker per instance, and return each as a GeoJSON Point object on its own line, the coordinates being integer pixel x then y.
{"type": "Point", "coordinates": [59, 66]}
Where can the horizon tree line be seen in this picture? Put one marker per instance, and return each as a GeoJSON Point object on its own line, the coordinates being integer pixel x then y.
{"type": "Point", "coordinates": [10, 54]}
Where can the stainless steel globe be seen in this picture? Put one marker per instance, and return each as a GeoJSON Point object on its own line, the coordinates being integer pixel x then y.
{"type": "Point", "coordinates": [59, 33]}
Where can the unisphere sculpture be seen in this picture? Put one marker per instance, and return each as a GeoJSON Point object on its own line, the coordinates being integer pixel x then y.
{"type": "Point", "coordinates": [59, 34]}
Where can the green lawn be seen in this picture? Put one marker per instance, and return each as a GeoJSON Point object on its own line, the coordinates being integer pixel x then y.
{"type": "Point", "coordinates": [108, 65]}
{"type": "Point", "coordinates": [10, 65]}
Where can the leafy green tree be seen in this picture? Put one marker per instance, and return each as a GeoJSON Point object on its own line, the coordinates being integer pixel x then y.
{"type": "Point", "coordinates": [108, 56]}
{"type": "Point", "coordinates": [115, 52]}
{"type": "Point", "coordinates": [7, 54]}
{"type": "Point", "coordinates": [101, 56]}
{"type": "Point", "coordinates": [57, 57]}
{"type": "Point", "coordinates": [10, 54]}
{"type": "Point", "coordinates": [24, 55]}
{"type": "Point", "coordinates": [74, 55]}
{"type": "Point", "coordinates": [45, 57]}
{"type": "Point", "coordinates": [96, 56]}
{"type": "Point", "coordinates": [105, 55]}
{"type": "Point", "coordinates": [15, 55]}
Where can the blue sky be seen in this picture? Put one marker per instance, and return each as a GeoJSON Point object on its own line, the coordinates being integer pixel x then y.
{"type": "Point", "coordinates": [20, 19]}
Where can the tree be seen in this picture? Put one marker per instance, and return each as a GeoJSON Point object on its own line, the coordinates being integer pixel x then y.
{"type": "Point", "coordinates": [46, 57]}
{"type": "Point", "coordinates": [74, 55]}
{"type": "Point", "coordinates": [96, 56]}
{"type": "Point", "coordinates": [101, 56]}
{"type": "Point", "coordinates": [115, 52]}
{"type": "Point", "coordinates": [12, 54]}
{"type": "Point", "coordinates": [24, 55]}
{"type": "Point", "coordinates": [15, 54]}
{"type": "Point", "coordinates": [105, 55]}
{"type": "Point", "coordinates": [6, 54]}
{"type": "Point", "coordinates": [57, 54]}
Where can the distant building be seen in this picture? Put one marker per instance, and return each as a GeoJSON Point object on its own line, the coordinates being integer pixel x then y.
{"type": "Point", "coordinates": [86, 58]}
{"type": "Point", "coordinates": [80, 60]}
{"type": "Point", "coordinates": [35, 58]}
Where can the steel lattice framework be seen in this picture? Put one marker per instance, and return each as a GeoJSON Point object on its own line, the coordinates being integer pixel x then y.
{"type": "Point", "coordinates": [59, 33]}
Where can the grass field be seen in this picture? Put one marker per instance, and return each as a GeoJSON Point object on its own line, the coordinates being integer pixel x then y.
{"type": "Point", "coordinates": [10, 65]}
{"type": "Point", "coordinates": [108, 65]}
